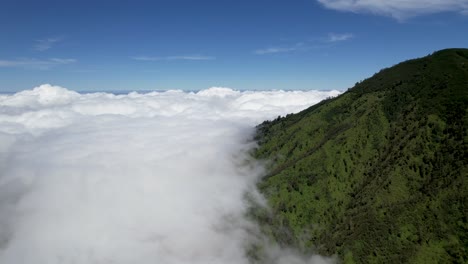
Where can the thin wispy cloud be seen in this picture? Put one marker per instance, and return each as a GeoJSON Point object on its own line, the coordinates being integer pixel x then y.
{"type": "Point", "coordinates": [314, 43]}
{"type": "Point", "coordinates": [273, 50]}
{"type": "Point", "coordinates": [398, 9]}
{"type": "Point", "coordinates": [84, 71]}
{"type": "Point", "coordinates": [45, 44]}
{"type": "Point", "coordinates": [196, 57]}
{"type": "Point", "coordinates": [334, 37]}
{"type": "Point", "coordinates": [174, 58]}
{"type": "Point", "coordinates": [40, 64]}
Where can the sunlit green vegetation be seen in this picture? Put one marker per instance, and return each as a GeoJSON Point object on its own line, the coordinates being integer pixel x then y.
{"type": "Point", "coordinates": [378, 174]}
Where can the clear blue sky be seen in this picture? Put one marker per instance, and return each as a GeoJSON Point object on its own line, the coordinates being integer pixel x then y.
{"type": "Point", "coordinates": [242, 44]}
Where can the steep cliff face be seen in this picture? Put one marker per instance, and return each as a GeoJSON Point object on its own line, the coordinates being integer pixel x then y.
{"type": "Point", "coordinates": [378, 174]}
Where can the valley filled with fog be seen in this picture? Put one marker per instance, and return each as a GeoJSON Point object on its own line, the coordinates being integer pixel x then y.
{"type": "Point", "coordinates": [157, 177]}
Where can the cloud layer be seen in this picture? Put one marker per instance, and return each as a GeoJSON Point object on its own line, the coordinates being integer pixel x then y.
{"type": "Point", "coordinates": [399, 9]}
{"type": "Point", "coordinates": [137, 178]}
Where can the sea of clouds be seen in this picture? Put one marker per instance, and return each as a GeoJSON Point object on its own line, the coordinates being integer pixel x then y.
{"type": "Point", "coordinates": [158, 177]}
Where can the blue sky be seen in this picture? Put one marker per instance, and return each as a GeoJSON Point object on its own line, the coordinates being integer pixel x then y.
{"type": "Point", "coordinates": [242, 44]}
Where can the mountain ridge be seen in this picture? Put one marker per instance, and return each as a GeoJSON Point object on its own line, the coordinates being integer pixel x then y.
{"type": "Point", "coordinates": [379, 173]}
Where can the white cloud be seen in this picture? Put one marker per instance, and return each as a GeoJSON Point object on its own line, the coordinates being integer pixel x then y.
{"type": "Point", "coordinates": [315, 43]}
{"type": "Point", "coordinates": [36, 63]}
{"type": "Point", "coordinates": [45, 44]}
{"type": "Point", "coordinates": [399, 9]}
{"type": "Point", "coordinates": [137, 178]}
{"type": "Point", "coordinates": [333, 37]}
{"type": "Point", "coordinates": [172, 58]}
{"type": "Point", "coordinates": [273, 50]}
{"type": "Point", "coordinates": [193, 57]}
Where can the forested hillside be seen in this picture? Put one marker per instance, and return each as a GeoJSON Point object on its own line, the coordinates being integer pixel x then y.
{"type": "Point", "coordinates": [378, 174]}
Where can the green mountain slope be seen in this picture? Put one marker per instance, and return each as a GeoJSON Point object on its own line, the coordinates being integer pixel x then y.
{"type": "Point", "coordinates": [378, 174]}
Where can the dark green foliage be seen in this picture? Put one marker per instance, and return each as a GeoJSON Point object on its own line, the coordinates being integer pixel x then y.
{"type": "Point", "coordinates": [378, 174]}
